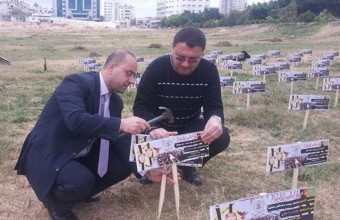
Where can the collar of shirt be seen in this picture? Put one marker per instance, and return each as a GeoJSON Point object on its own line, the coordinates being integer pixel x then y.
{"type": "Point", "coordinates": [103, 88]}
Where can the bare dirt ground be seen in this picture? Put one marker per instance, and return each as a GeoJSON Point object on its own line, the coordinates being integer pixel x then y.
{"type": "Point", "coordinates": [131, 200]}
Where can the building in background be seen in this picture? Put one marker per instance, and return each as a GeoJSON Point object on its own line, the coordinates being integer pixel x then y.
{"type": "Point", "coordinates": [165, 8]}
{"type": "Point", "coordinates": [227, 6]}
{"type": "Point", "coordinates": [114, 11]}
{"type": "Point", "coordinates": [77, 9]}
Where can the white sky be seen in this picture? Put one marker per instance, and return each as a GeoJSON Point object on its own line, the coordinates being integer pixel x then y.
{"type": "Point", "coordinates": [142, 8]}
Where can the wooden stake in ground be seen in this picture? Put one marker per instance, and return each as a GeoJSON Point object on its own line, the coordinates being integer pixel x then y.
{"type": "Point", "coordinates": [336, 98]}
{"type": "Point", "coordinates": [248, 100]}
{"type": "Point", "coordinates": [45, 65]}
{"type": "Point", "coordinates": [317, 83]}
{"type": "Point", "coordinates": [176, 191]}
{"type": "Point", "coordinates": [306, 120]}
{"type": "Point", "coordinates": [295, 178]}
{"type": "Point", "coordinates": [291, 87]}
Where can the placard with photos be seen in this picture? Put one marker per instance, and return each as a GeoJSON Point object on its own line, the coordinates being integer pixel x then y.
{"type": "Point", "coordinates": [296, 155]}
{"type": "Point", "coordinates": [292, 76]}
{"type": "Point", "coordinates": [227, 81]}
{"type": "Point", "coordinates": [187, 149]}
{"type": "Point", "coordinates": [318, 72]}
{"type": "Point", "coordinates": [291, 204]}
{"type": "Point", "coordinates": [299, 102]}
{"type": "Point", "coordinates": [240, 87]}
{"type": "Point", "coordinates": [331, 84]}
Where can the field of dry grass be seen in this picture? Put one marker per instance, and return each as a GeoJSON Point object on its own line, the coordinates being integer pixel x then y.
{"type": "Point", "coordinates": [237, 173]}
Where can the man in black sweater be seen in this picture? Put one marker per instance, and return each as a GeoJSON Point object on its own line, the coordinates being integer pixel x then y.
{"type": "Point", "coordinates": [189, 86]}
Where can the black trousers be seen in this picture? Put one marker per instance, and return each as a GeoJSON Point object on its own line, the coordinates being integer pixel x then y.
{"type": "Point", "coordinates": [78, 179]}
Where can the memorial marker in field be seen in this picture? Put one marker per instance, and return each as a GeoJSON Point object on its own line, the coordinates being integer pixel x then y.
{"type": "Point", "coordinates": [227, 81]}
{"type": "Point", "coordinates": [296, 155]}
{"type": "Point", "coordinates": [332, 84]}
{"type": "Point", "coordinates": [247, 87]}
{"type": "Point", "coordinates": [308, 102]}
{"type": "Point", "coordinates": [291, 204]}
{"type": "Point", "coordinates": [291, 77]}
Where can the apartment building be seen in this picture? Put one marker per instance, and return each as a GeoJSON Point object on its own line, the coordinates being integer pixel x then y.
{"type": "Point", "coordinates": [165, 8]}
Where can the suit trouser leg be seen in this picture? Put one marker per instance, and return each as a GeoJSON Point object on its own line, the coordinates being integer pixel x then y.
{"type": "Point", "coordinates": [117, 168]}
{"type": "Point", "coordinates": [72, 184]}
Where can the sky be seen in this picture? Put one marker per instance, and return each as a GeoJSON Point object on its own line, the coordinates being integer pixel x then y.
{"type": "Point", "coordinates": [145, 9]}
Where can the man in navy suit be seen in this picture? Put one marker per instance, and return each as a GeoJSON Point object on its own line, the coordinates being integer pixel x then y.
{"type": "Point", "coordinates": [60, 155]}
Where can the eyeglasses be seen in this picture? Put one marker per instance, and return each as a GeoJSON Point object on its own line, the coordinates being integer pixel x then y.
{"type": "Point", "coordinates": [190, 60]}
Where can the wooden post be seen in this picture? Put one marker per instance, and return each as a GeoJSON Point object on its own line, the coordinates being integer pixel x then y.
{"type": "Point", "coordinates": [336, 97]}
{"type": "Point", "coordinates": [291, 87]}
{"type": "Point", "coordinates": [45, 65]}
{"type": "Point", "coordinates": [295, 178]}
{"type": "Point", "coordinates": [176, 187]}
{"type": "Point", "coordinates": [317, 83]}
{"type": "Point", "coordinates": [248, 100]}
{"type": "Point", "coordinates": [264, 78]}
{"type": "Point", "coordinates": [305, 121]}
{"type": "Point", "coordinates": [161, 196]}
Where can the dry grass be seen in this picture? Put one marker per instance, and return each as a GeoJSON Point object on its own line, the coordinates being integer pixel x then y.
{"type": "Point", "coordinates": [237, 173]}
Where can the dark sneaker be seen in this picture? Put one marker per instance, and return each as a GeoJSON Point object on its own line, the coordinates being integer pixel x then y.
{"type": "Point", "coordinates": [191, 176]}
{"type": "Point", "coordinates": [54, 215]}
{"type": "Point", "coordinates": [145, 181]}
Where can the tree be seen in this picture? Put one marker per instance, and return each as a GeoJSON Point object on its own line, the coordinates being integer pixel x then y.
{"type": "Point", "coordinates": [308, 16]}
{"type": "Point", "coordinates": [289, 13]}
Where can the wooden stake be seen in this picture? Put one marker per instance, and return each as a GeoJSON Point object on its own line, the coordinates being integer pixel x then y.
{"type": "Point", "coordinates": [176, 187]}
{"type": "Point", "coordinates": [264, 78]}
{"type": "Point", "coordinates": [305, 121]}
{"type": "Point", "coordinates": [295, 178]}
{"type": "Point", "coordinates": [336, 98]}
{"type": "Point", "coordinates": [161, 196]}
{"type": "Point", "coordinates": [248, 100]}
{"type": "Point", "coordinates": [317, 83]}
{"type": "Point", "coordinates": [291, 87]}
{"type": "Point", "coordinates": [45, 65]}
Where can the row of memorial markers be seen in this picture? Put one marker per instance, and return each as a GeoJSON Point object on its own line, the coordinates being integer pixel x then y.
{"type": "Point", "coordinates": [189, 150]}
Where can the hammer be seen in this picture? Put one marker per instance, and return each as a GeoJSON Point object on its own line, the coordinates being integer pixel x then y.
{"type": "Point", "coordinates": [166, 115]}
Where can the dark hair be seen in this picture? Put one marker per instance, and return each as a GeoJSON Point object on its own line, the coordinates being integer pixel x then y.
{"type": "Point", "coordinates": [118, 57]}
{"type": "Point", "coordinates": [193, 37]}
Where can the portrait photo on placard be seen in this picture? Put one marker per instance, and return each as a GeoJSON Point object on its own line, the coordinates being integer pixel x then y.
{"type": "Point", "coordinates": [137, 139]}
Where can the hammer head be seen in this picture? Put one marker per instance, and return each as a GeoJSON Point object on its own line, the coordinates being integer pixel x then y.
{"type": "Point", "coordinates": [167, 114]}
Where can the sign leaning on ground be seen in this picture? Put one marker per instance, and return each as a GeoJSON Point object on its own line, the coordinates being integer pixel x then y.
{"type": "Point", "coordinates": [291, 204]}
{"type": "Point", "coordinates": [181, 149]}
{"type": "Point", "coordinates": [308, 102]}
{"type": "Point", "coordinates": [296, 155]}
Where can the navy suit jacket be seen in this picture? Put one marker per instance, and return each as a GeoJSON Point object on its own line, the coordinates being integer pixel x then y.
{"type": "Point", "coordinates": [67, 124]}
